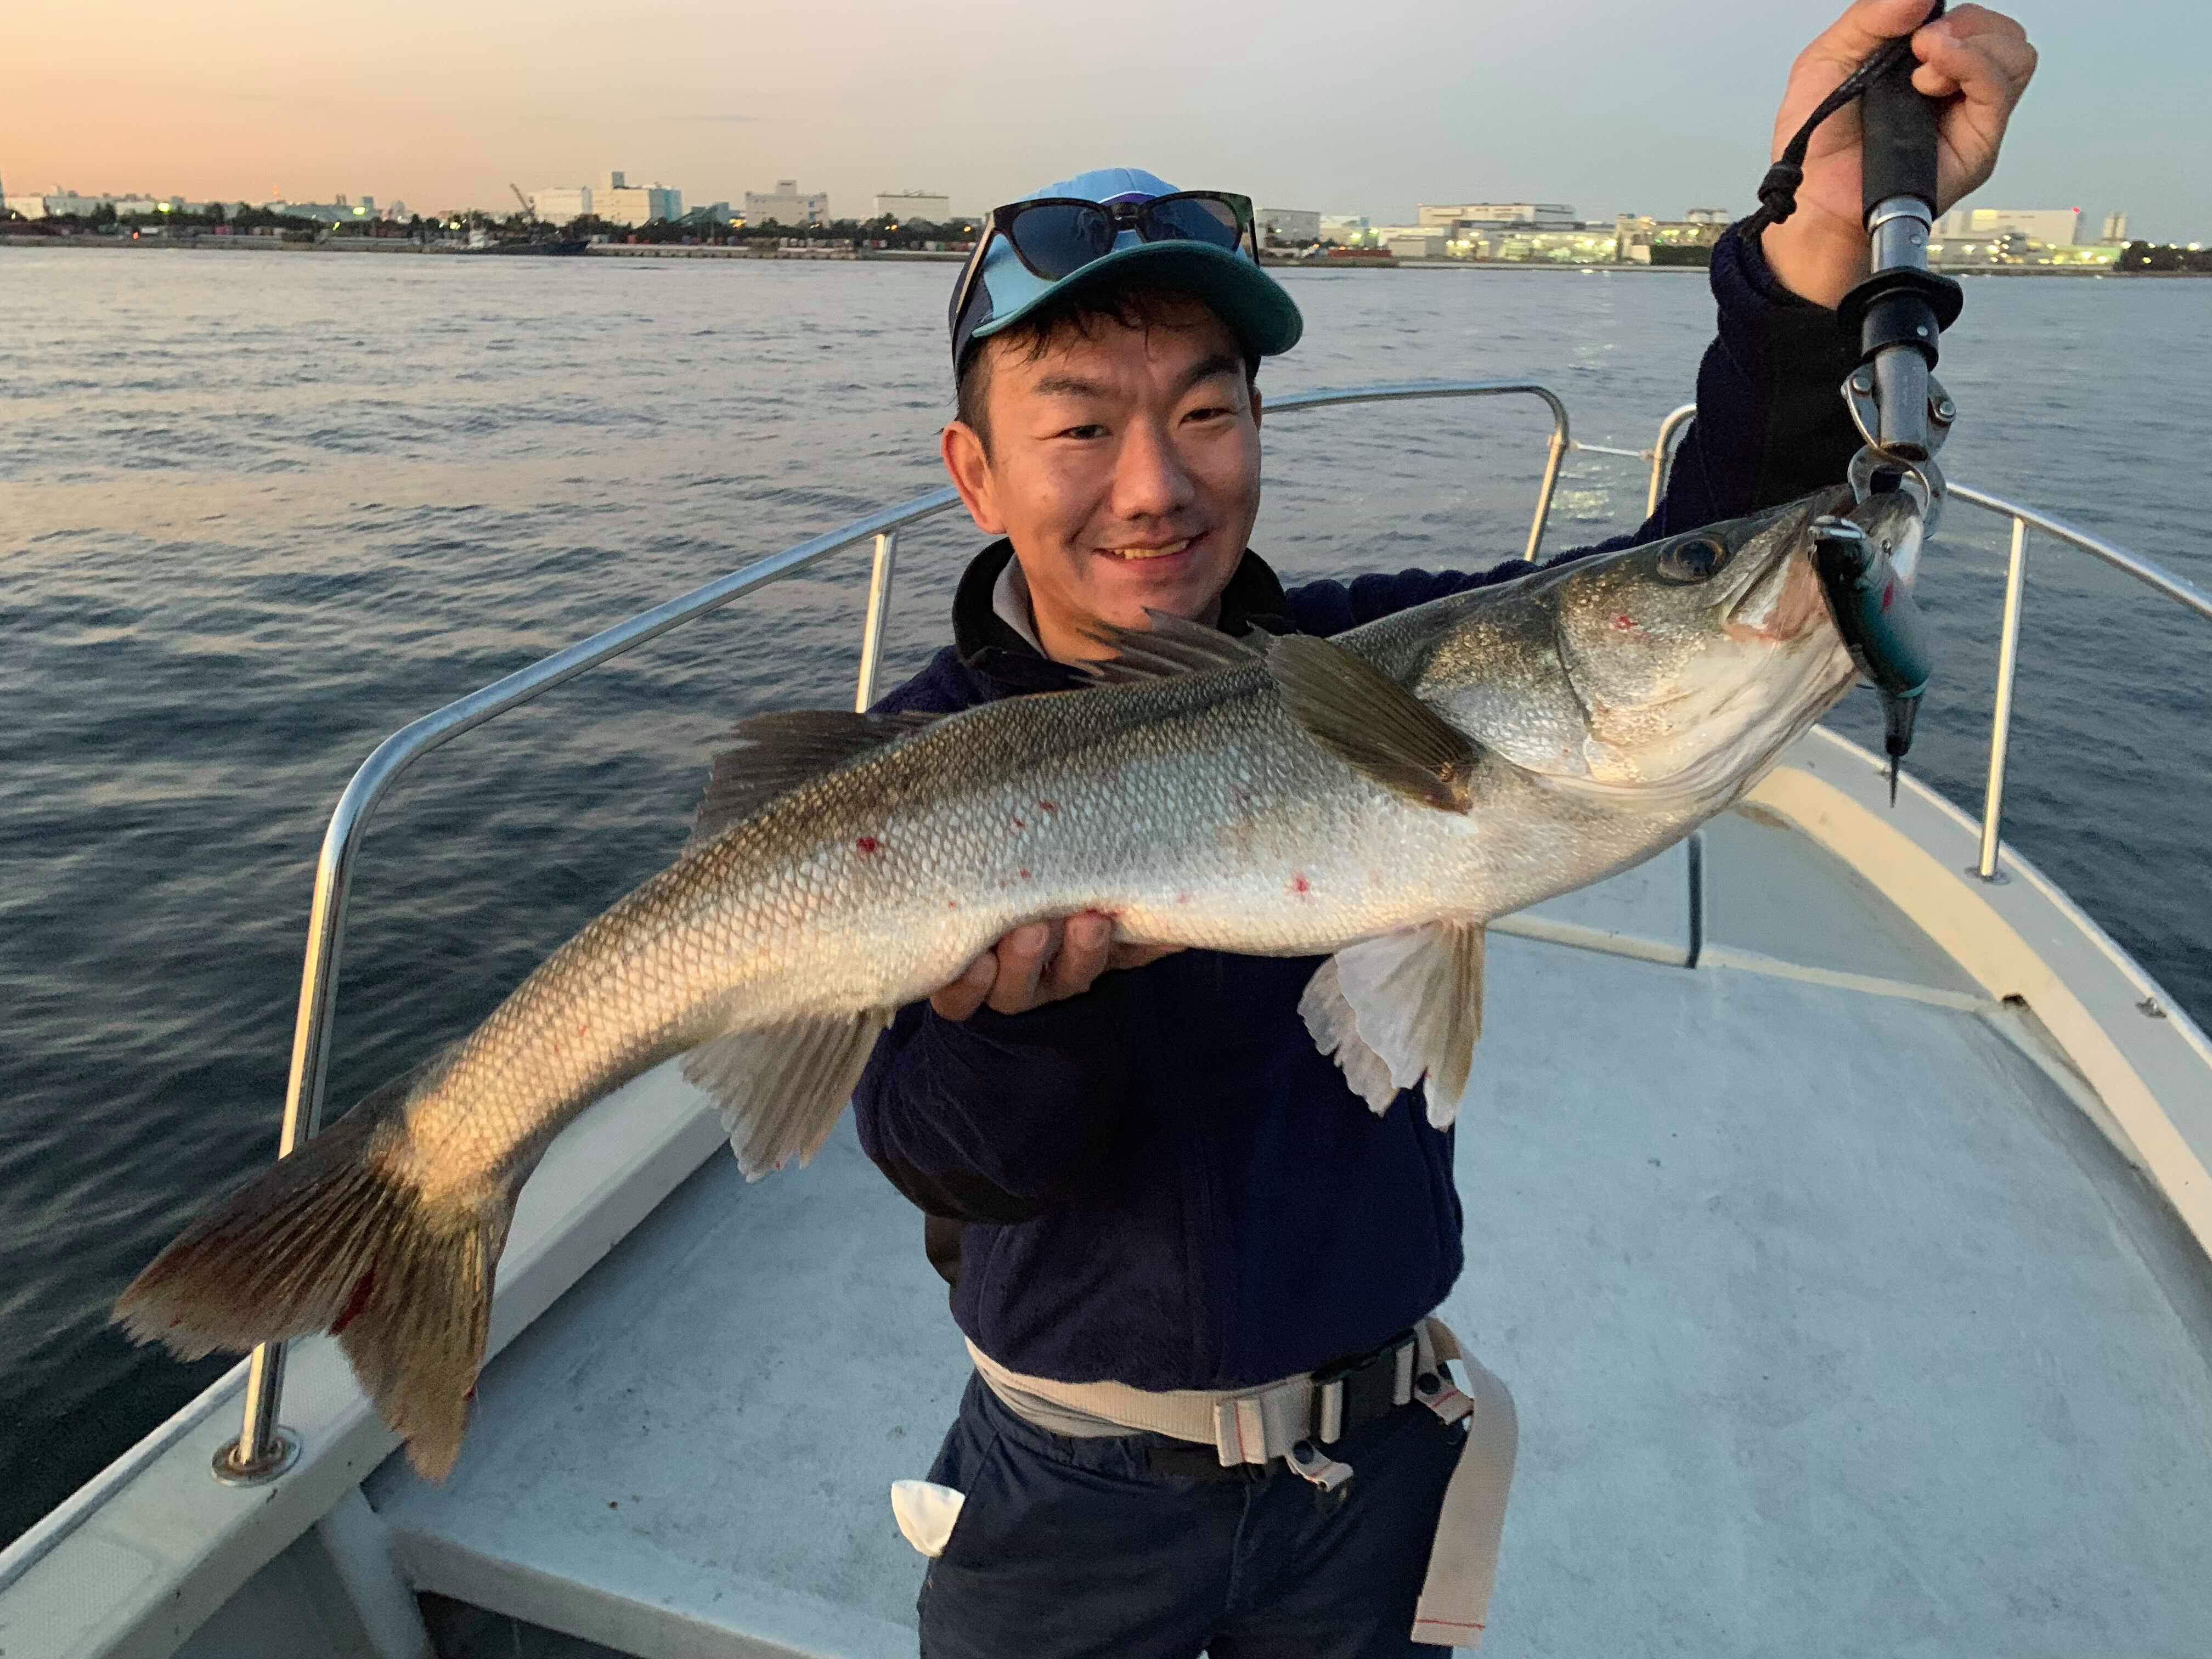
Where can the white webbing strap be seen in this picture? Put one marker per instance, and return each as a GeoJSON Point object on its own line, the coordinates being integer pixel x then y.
{"type": "Point", "coordinates": [1463, 1556]}
{"type": "Point", "coordinates": [1257, 1425]}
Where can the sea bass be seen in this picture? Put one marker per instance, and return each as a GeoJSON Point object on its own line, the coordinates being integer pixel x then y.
{"type": "Point", "coordinates": [1376, 797]}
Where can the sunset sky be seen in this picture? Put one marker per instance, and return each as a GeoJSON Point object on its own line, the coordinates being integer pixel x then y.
{"type": "Point", "coordinates": [1364, 108]}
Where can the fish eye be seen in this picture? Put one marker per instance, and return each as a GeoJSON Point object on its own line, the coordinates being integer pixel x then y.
{"type": "Point", "coordinates": [1692, 561]}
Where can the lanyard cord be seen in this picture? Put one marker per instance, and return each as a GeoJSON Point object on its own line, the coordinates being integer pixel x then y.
{"type": "Point", "coordinates": [1777, 191]}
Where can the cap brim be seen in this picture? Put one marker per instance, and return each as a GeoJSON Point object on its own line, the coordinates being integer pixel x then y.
{"type": "Point", "coordinates": [1255, 305]}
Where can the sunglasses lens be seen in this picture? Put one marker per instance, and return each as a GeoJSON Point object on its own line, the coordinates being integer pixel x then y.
{"type": "Point", "coordinates": [1196, 219]}
{"type": "Point", "coordinates": [1058, 239]}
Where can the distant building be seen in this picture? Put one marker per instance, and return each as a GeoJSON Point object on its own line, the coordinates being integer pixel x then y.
{"type": "Point", "coordinates": [559, 203]}
{"type": "Point", "coordinates": [1708, 216]}
{"type": "Point", "coordinates": [30, 207]}
{"type": "Point", "coordinates": [2116, 228]}
{"type": "Point", "coordinates": [2057, 226]}
{"type": "Point", "coordinates": [338, 212]}
{"type": "Point", "coordinates": [717, 214]}
{"type": "Point", "coordinates": [1292, 225]}
{"type": "Point", "coordinates": [1350, 229]}
{"type": "Point", "coordinates": [1418, 242]}
{"type": "Point", "coordinates": [1567, 247]}
{"type": "Point", "coordinates": [902, 205]}
{"type": "Point", "coordinates": [1498, 216]}
{"type": "Point", "coordinates": [621, 202]}
{"type": "Point", "coordinates": [787, 206]}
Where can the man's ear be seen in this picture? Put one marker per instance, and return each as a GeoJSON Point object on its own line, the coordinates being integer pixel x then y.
{"type": "Point", "coordinates": [1252, 392]}
{"type": "Point", "coordinates": [970, 466]}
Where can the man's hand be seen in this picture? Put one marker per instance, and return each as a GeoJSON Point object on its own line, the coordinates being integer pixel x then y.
{"type": "Point", "coordinates": [1044, 961]}
{"type": "Point", "coordinates": [1979, 58]}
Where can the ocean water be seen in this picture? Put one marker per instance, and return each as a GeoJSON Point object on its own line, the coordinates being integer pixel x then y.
{"type": "Point", "coordinates": [258, 512]}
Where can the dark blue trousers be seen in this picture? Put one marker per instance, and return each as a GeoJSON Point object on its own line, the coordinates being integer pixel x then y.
{"type": "Point", "coordinates": [1076, 1547]}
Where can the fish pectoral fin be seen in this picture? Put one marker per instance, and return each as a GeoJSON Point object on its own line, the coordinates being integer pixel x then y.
{"type": "Point", "coordinates": [1372, 724]}
{"type": "Point", "coordinates": [1399, 1008]}
{"type": "Point", "coordinates": [779, 1088]}
{"type": "Point", "coordinates": [1171, 649]}
{"type": "Point", "coordinates": [773, 754]}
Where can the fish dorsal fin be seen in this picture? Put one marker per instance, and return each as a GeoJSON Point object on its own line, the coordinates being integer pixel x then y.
{"type": "Point", "coordinates": [779, 1088]}
{"type": "Point", "coordinates": [1169, 649]}
{"type": "Point", "coordinates": [1372, 724]}
{"type": "Point", "coordinates": [1394, 1010]}
{"type": "Point", "coordinates": [772, 754]}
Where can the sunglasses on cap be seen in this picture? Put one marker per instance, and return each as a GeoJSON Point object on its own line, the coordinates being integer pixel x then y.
{"type": "Point", "coordinates": [1056, 236]}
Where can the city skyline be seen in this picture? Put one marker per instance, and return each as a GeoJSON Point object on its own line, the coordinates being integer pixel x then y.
{"type": "Point", "coordinates": [1613, 106]}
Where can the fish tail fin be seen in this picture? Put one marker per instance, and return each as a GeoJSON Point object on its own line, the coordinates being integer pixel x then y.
{"type": "Point", "coordinates": [336, 1238]}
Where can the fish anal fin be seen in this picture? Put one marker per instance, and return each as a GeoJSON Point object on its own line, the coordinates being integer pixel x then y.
{"type": "Point", "coordinates": [1372, 724]}
{"type": "Point", "coordinates": [1400, 1008]}
{"type": "Point", "coordinates": [1171, 648]}
{"type": "Point", "coordinates": [781, 1087]}
{"type": "Point", "coordinates": [773, 754]}
{"type": "Point", "coordinates": [1335, 1030]}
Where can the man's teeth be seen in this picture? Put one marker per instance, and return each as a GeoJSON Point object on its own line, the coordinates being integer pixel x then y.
{"type": "Point", "coordinates": [1152, 552]}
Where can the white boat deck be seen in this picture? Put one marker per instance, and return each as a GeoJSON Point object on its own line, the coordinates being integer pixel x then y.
{"type": "Point", "coordinates": [1836, 1326]}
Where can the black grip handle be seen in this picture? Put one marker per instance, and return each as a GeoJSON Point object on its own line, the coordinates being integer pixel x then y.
{"type": "Point", "coordinates": [1897, 152]}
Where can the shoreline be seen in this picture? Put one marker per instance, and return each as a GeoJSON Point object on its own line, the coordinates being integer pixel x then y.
{"type": "Point", "coordinates": [399, 247]}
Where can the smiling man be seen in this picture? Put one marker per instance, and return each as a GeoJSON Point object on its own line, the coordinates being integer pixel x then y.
{"type": "Point", "coordinates": [1195, 1274]}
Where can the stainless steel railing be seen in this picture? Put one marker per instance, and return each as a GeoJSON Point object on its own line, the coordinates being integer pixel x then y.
{"type": "Point", "coordinates": [263, 1449]}
{"type": "Point", "coordinates": [2184, 593]}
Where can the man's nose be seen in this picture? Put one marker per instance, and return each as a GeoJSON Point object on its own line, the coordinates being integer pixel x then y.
{"type": "Point", "coordinates": [1150, 479]}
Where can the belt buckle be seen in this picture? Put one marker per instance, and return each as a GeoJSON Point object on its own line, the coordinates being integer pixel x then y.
{"type": "Point", "coordinates": [1329, 1381]}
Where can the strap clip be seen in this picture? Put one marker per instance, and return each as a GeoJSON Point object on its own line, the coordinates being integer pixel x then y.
{"type": "Point", "coordinates": [1313, 1464]}
{"type": "Point", "coordinates": [1435, 1390]}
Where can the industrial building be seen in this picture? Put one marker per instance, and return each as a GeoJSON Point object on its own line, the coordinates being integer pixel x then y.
{"type": "Point", "coordinates": [907, 206]}
{"type": "Point", "coordinates": [1295, 225]}
{"type": "Point", "coordinates": [787, 206]}
{"type": "Point", "coordinates": [558, 203]}
{"type": "Point", "coordinates": [1498, 216]}
{"type": "Point", "coordinates": [2054, 227]}
{"type": "Point", "coordinates": [621, 202]}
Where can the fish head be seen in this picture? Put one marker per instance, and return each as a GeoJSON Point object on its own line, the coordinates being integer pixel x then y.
{"type": "Point", "coordinates": [1695, 659]}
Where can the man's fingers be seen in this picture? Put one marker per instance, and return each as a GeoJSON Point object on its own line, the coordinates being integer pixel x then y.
{"type": "Point", "coordinates": [1022, 955]}
{"type": "Point", "coordinates": [1978, 53]}
{"type": "Point", "coordinates": [1851, 38]}
{"type": "Point", "coordinates": [1082, 957]}
{"type": "Point", "coordinates": [965, 994]}
{"type": "Point", "coordinates": [1042, 963]}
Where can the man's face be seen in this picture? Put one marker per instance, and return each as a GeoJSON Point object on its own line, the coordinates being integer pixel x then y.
{"type": "Point", "coordinates": [1124, 466]}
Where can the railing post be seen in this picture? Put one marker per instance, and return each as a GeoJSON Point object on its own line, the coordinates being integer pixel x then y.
{"type": "Point", "coordinates": [1661, 452]}
{"type": "Point", "coordinates": [2001, 710]}
{"type": "Point", "coordinates": [1560, 443]}
{"type": "Point", "coordinates": [879, 609]}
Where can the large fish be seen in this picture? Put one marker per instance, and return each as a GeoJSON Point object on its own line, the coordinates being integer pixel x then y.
{"type": "Point", "coordinates": [1379, 796]}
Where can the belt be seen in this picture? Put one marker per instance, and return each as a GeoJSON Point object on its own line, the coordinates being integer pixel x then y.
{"type": "Point", "coordinates": [1244, 1430]}
{"type": "Point", "coordinates": [1347, 1395]}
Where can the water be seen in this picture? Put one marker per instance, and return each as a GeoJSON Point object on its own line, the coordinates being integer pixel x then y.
{"type": "Point", "coordinates": [261, 511]}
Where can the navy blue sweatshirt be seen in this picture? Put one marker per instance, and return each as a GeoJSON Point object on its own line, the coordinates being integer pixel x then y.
{"type": "Point", "coordinates": [1162, 1181]}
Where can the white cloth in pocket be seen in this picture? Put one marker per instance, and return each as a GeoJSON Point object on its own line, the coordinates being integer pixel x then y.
{"type": "Point", "coordinates": [926, 1512]}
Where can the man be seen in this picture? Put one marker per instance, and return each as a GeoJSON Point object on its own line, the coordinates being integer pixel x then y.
{"type": "Point", "coordinates": [1151, 1178]}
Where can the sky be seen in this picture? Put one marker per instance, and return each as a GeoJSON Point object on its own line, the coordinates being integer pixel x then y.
{"type": "Point", "coordinates": [1363, 106]}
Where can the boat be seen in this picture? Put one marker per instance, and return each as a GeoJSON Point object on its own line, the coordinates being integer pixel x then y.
{"type": "Point", "coordinates": [1853, 1268]}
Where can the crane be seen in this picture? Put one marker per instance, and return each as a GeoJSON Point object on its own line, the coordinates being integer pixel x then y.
{"type": "Point", "coordinates": [528, 208]}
